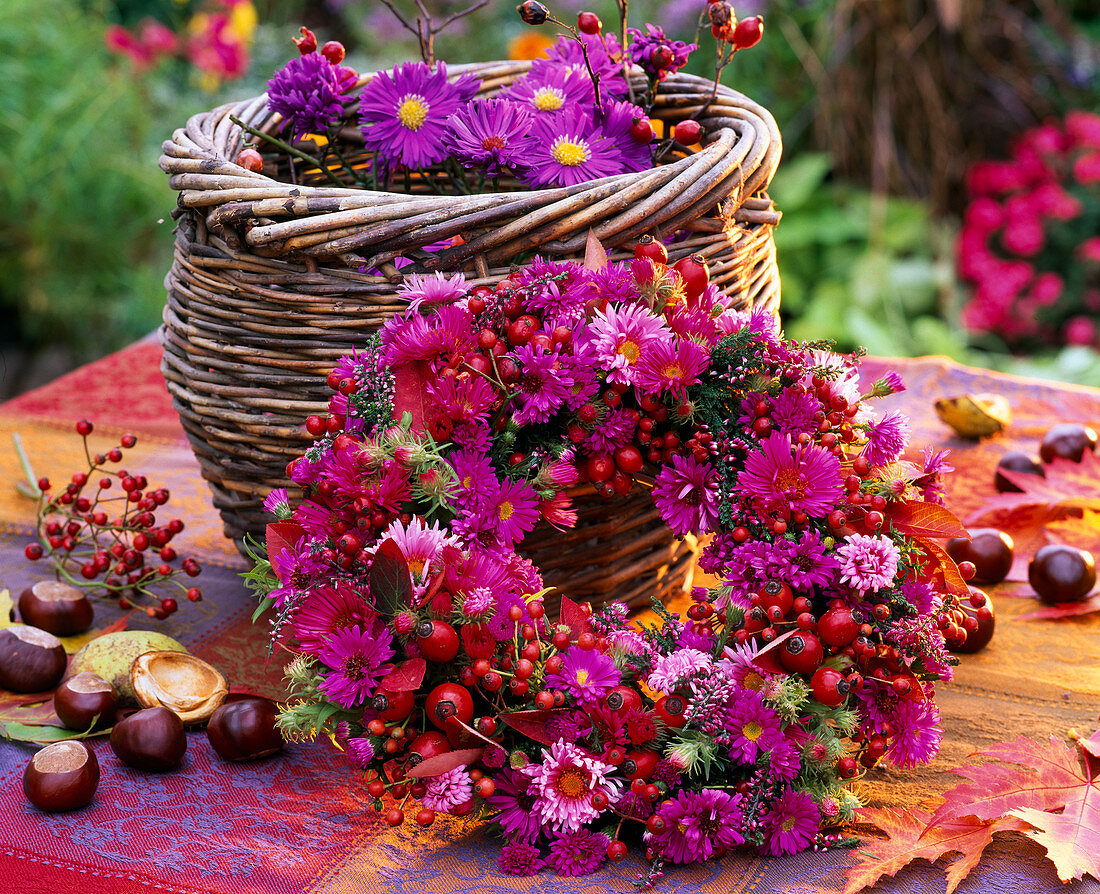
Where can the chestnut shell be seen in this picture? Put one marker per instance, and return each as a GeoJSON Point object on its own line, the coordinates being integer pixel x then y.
{"type": "Point", "coordinates": [990, 550]}
{"type": "Point", "coordinates": [31, 659]}
{"type": "Point", "coordinates": [152, 739]}
{"type": "Point", "coordinates": [62, 776]}
{"type": "Point", "coordinates": [57, 607]}
{"type": "Point", "coordinates": [1016, 461]}
{"type": "Point", "coordinates": [83, 697]}
{"type": "Point", "coordinates": [244, 729]}
{"type": "Point", "coordinates": [186, 685]}
{"type": "Point", "coordinates": [1061, 573]}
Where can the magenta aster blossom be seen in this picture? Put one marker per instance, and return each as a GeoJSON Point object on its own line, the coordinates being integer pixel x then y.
{"type": "Point", "coordinates": [791, 824]}
{"type": "Point", "coordinates": [447, 790]}
{"type": "Point", "coordinates": [487, 134]}
{"type": "Point", "coordinates": [585, 675]}
{"type": "Point", "coordinates": [804, 480]}
{"type": "Point", "coordinates": [519, 858]}
{"type": "Point", "coordinates": [296, 567]}
{"type": "Point", "coordinates": [793, 413]}
{"type": "Point", "coordinates": [514, 509]}
{"type": "Point", "coordinates": [431, 288]}
{"type": "Point", "coordinates": [617, 120]}
{"type": "Point", "coordinates": [868, 563]}
{"type": "Point", "coordinates": [785, 760]}
{"type": "Point", "coordinates": [542, 387]}
{"type": "Point", "coordinates": [564, 784]}
{"type": "Point", "coordinates": [604, 55]}
{"type": "Point", "coordinates": [672, 366]}
{"type": "Point", "coordinates": [753, 727]}
{"type": "Point", "coordinates": [306, 92]}
{"type": "Point", "coordinates": [578, 853]}
{"type": "Point", "coordinates": [698, 826]}
{"type": "Point", "coordinates": [686, 495]}
{"type": "Point", "coordinates": [556, 290]}
{"type": "Point", "coordinates": [918, 734]}
{"type": "Point", "coordinates": [614, 431]}
{"type": "Point", "coordinates": [644, 47]}
{"type": "Point", "coordinates": [620, 336]}
{"type": "Point", "coordinates": [466, 399]}
{"type": "Point", "coordinates": [568, 725]}
{"type": "Point", "coordinates": [566, 149]}
{"type": "Point", "coordinates": [887, 438]}
{"type": "Point", "coordinates": [404, 114]}
{"type": "Point", "coordinates": [478, 601]}
{"type": "Point", "coordinates": [513, 801]}
{"type": "Point", "coordinates": [669, 670]}
{"type": "Point", "coordinates": [277, 503]}
{"type": "Point", "coordinates": [551, 90]}
{"type": "Point", "coordinates": [476, 477]}
{"type": "Point", "coordinates": [326, 610]}
{"type": "Point", "coordinates": [421, 545]}
{"type": "Point", "coordinates": [360, 752]}
{"type": "Point", "coordinates": [803, 563]}
{"type": "Point", "coordinates": [357, 661]}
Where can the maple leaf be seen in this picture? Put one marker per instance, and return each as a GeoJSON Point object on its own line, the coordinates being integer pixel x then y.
{"type": "Point", "coordinates": [1063, 610]}
{"type": "Point", "coordinates": [918, 519]}
{"type": "Point", "coordinates": [1072, 837]}
{"type": "Point", "coordinates": [1067, 486]}
{"type": "Point", "coordinates": [911, 839]}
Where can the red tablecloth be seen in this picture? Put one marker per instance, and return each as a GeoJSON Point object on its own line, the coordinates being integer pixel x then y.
{"type": "Point", "coordinates": [301, 822]}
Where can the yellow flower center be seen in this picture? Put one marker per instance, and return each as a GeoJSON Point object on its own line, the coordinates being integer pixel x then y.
{"type": "Point", "coordinates": [569, 153]}
{"type": "Point", "coordinates": [788, 824]}
{"type": "Point", "coordinates": [752, 730]}
{"type": "Point", "coordinates": [416, 566]}
{"type": "Point", "coordinates": [412, 112]}
{"type": "Point", "coordinates": [753, 681]}
{"type": "Point", "coordinates": [582, 677]}
{"type": "Point", "coordinates": [673, 371]}
{"type": "Point", "coordinates": [505, 511]}
{"type": "Point", "coordinates": [493, 142]}
{"type": "Point", "coordinates": [631, 350]}
{"type": "Point", "coordinates": [573, 782]}
{"type": "Point", "coordinates": [548, 99]}
{"type": "Point", "coordinates": [466, 481]}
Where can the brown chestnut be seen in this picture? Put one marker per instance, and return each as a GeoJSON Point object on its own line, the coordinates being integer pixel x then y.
{"type": "Point", "coordinates": [983, 615]}
{"type": "Point", "coordinates": [60, 608]}
{"type": "Point", "coordinates": [1068, 440]}
{"type": "Point", "coordinates": [82, 698]}
{"type": "Point", "coordinates": [990, 551]}
{"type": "Point", "coordinates": [1016, 461]}
{"type": "Point", "coordinates": [62, 776]}
{"type": "Point", "coordinates": [1060, 573]}
{"type": "Point", "coordinates": [152, 739]}
{"type": "Point", "coordinates": [245, 729]}
{"type": "Point", "coordinates": [31, 660]}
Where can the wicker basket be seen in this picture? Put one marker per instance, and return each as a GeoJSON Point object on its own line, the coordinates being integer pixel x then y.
{"type": "Point", "coordinates": [267, 291]}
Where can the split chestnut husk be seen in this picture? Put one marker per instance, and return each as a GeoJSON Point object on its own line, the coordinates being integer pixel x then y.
{"type": "Point", "coordinates": [186, 685]}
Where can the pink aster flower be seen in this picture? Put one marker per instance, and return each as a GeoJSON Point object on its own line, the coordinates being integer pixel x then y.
{"type": "Point", "coordinates": [404, 113]}
{"type": "Point", "coordinates": [564, 784]}
{"type": "Point", "coordinates": [868, 562]}
{"type": "Point", "coordinates": [277, 503]}
{"type": "Point", "coordinates": [585, 675]}
{"type": "Point", "coordinates": [551, 90]}
{"type": "Point", "coordinates": [672, 366]}
{"type": "Point", "coordinates": [513, 509]}
{"type": "Point", "coordinates": [360, 752]}
{"type": "Point", "coordinates": [566, 149]}
{"type": "Point", "coordinates": [918, 734]}
{"type": "Point", "coordinates": [578, 853]}
{"type": "Point", "coordinates": [476, 477]}
{"type": "Point", "coordinates": [753, 727]}
{"type": "Point", "coordinates": [431, 288]}
{"type": "Point", "coordinates": [887, 438]}
{"type": "Point", "coordinates": [542, 387]}
{"type": "Point", "coordinates": [513, 801]}
{"type": "Point", "coordinates": [791, 824]}
{"type": "Point", "coordinates": [698, 826]}
{"type": "Point", "coordinates": [327, 610]}
{"type": "Point", "coordinates": [466, 399]}
{"type": "Point", "coordinates": [620, 335]}
{"type": "Point", "coordinates": [519, 858]}
{"type": "Point", "coordinates": [357, 661]}
{"type": "Point", "coordinates": [447, 790]}
{"type": "Point", "coordinates": [806, 479]}
{"type": "Point", "coordinates": [686, 495]}
{"type": "Point", "coordinates": [420, 544]}
{"type": "Point", "coordinates": [669, 670]}
{"type": "Point", "coordinates": [614, 431]}
{"type": "Point", "coordinates": [478, 601]}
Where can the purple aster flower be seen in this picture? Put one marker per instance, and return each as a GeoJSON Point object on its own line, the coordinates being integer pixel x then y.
{"type": "Point", "coordinates": [745, 572]}
{"type": "Point", "coordinates": [564, 784]}
{"type": "Point", "coordinates": [674, 366]}
{"type": "Point", "coordinates": [542, 385]}
{"type": "Point", "coordinates": [878, 703]}
{"type": "Point", "coordinates": [669, 670]}
{"type": "Point", "coordinates": [558, 290]}
{"type": "Point", "coordinates": [617, 120]}
{"type": "Point", "coordinates": [635, 806]}
{"type": "Point", "coordinates": [922, 596]}
{"type": "Point", "coordinates": [565, 149]}
{"type": "Point", "coordinates": [431, 288]}
{"type": "Point", "coordinates": [614, 431]}
{"type": "Point", "coordinates": [621, 335]}
{"type": "Point", "coordinates": [568, 725]}
{"type": "Point", "coordinates": [476, 477]}
{"type": "Point", "coordinates": [804, 563]}
{"type": "Point", "coordinates": [578, 853]}
{"type": "Point", "coordinates": [487, 134]}
{"type": "Point", "coordinates": [447, 790]}
{"type": "Point", "coordinates": [325, 610]}
{"type": "Point", "coordinates": [296, 567]}
{"type": "Point", "coordinates": [696, 636]}
{"type": "Point", "coordinates": [644, 47]}
{"type": "Point", "coordinates": [514, 510]}
{"type": "Point", "coordinates": [785, 760]}
{"type": "Point", "coordinates": [686, 495]}
{"type": "Point", "coordinates": [793, 413]}
{"type": "Point", "coordinates": [791, 825]}
{"type": "Point", "coordinates": [360, 752]}
{"type": "Point", "coordinates": [357, 661]}
{"type": "Point", "coordinates": [466, 399]}
{"type": "Point", "coordinates": [404, 114]}
{"type": "Point", "coordinates": [604, 54]}
{"type": "Point", "coordinates": [551, 90]}
{"type": "Point", "coordinates": [887, 438]}
{"type": "Point", "coordinates": [306, 92]}
{"type": "Point", "coordinates": [519, 858]}
{"type": "Point", "coordinates": [753, 727]}
{"type": "Point", "coordinates": [804, 480]}
{"type": "Point", "coordinates": [918, 735]}
{"type": "Point", "coordinates": [868, 563]}
{"type": "Point", "coordinates": [615, 282]}
{"type": "Point", "coordinates": [585, 675]}
{"type": "Point", "coordinates": [698, 826]}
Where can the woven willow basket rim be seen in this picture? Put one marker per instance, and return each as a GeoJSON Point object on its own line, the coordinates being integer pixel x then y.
{"type": "Point", "coordinates": [361, 227]}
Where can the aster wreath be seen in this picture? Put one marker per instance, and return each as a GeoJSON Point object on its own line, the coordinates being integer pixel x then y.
{"type": "Point", "coordinates": [426, 647]}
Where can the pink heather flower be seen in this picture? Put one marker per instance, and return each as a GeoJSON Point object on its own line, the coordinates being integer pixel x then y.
{"type": "Point", "coordinates": [672, 366]}
{"type": "Point", "coordinates": [585, 675]}
{"type": "Point", "coordinates": [753, 727]}
{"type": "Point", "coordinates": [431, 288]}
{"type": "Point", "coordinates": [326, 610]}
{"type": "Point", "coordinates": [488, 134]}
{"type": "Point", "coordinates": [887, 438]}
{"type": "Point", "coordinates": [806, 480]}
{"type": "Point", "coordinates": [519, 858]}
{"type": "Point", "coordinates": [513, 801]}
{"type": "Point", "coordinates": [447, 790]}
{"type": "Point", "coordinates": [566, 149]}
{"type": "Point", "coordinates": [578, 853]}
{"type": "Point", "coordinates": [868, 562]}
{"type": "Point", "coordinates": [543, 386]}
{"type": "Point", "coordinates": [669, 670]}
{"type": "Point", "coordinates": [360, 752]}
{"type": "Point", "coordinates": [564, 784]}
{"type": "Point", "coordinates": [306, 92]}
{"type": "Point", "coordinates": [791, 824]}
{"type": "Point", "coordinates": [918, 735]}
{"type": "Point", "coordinates": [620, 336]}
{"type": "Point", "coordinates": [357, 661]}
{"type": "Point", "coordinates": [698, 826]}
{"type": "Point", "coordinates": [404, 114]}
{"type": "Point", "coordinates": [686, 495]}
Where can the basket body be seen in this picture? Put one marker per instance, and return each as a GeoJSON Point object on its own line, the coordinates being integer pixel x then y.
{"type": "Point", "coordinates": [268, 288]}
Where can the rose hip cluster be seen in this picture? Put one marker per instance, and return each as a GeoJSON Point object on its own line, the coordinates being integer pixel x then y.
{"type": "Point", "coordinates": [101, 533]}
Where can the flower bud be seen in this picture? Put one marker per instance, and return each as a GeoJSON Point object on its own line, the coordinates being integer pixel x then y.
{"type": "Point", "coordinates": [307, 43]}
{"type": "Point", "coordinates": [532, 12]}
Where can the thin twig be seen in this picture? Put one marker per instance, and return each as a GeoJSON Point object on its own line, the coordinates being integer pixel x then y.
{"type": "Point", "coordinates": [400, 17]}
{"type": "Point", "coordinates": [622, 4]}
{"type": "Point", "coordinates": [458, 15]}
{"type": "Point", "coordinates": [587, 64]}
{"type": "Point", "coordinates": [286, 147]}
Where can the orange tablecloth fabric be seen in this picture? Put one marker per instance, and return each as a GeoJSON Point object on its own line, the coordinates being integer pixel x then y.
{"type": "Point", "coordinates": [300, 823]}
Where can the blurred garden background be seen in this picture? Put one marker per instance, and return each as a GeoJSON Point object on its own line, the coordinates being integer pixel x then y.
{"type": "Point", "coordinates": [940, 184]}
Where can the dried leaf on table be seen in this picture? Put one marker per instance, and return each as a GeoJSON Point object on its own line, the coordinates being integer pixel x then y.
{"type": "Point", "coordinates": [32, 710]}
{"type": "Point", "coordinates": [1064, 610]}
{"type": "Point", "coordinates": [1072, 837]}
{"type": "Point", "coordinates": [1068, 486]}
{"type": "Point", "coordinates": [911, 839]}
{"type": "Point", "coordinates": [1083, 532]}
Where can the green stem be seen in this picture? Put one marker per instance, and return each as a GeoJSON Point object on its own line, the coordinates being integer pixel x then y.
{"type": "Point", "coordinates": [25, 462]}
{"type": "Point", "coordinates": [286, 147]}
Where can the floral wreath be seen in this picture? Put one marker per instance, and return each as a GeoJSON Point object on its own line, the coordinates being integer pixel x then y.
{"type": "Point", "coordinates": [425, 647]}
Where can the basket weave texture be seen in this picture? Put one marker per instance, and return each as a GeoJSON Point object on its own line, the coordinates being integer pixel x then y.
{"type": "Point", "coordinates": [277, 275]}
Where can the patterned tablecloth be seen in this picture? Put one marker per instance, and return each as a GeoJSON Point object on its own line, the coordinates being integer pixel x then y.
{"type": "Point", "coordinates": [301, 823]}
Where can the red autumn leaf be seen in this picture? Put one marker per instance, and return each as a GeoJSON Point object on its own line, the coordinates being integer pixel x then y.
{"type": "Point", "coordinates": [923, 520]}
{"type": "Point", "coordinates": [406, 677]}
{"type": "Point", "coordinates": [1091, 744]}
{"type": "Point", "coordinates": [389, 580]}
{"type": "Point", "coordinates": [910, 839]}
{"type": "Point", "coordinates": [1064, 610]}
{"type": "Point", "coordinates": [410, 392]}
{"type": "Point", "coordinates": [531, 724]}
{"type": "Point", "coordinates": [442, 763]}
{"type": "Point", "coordinates": [573, 618]}
{"type": "Point", "coordinates": [945, 567]}
{"type": "Point", "coordinates": [29, 710]}
{"type": "Point", "coordinates": [117, 626]}
{"type": "Point", "coordinates": [1067, 487]}
{"type": "Point", "coordinates": [595, 256]}
{"type": "Point", "coordinates": [1072, 837]}
{"type": "Point", "coordinates": [282, 535]}
{"type": "Point", "coordinates": [767, 659]}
